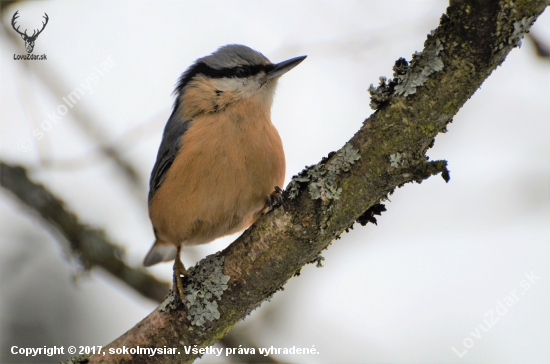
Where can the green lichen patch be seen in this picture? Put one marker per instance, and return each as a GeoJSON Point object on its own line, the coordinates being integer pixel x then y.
{"type": "Point", "coordinates": [396, 160]}
{"type": "Point", "coordinates": [422, 65]}
{"type": "Point", "coordinates": [407, 77]}
{"type": "Point", "coordinates": [294, 185]}
{"type": "Point", "coordinates": [322, 180]}
{"type": "Point", "coordinates": [318, 261]}
{"type": "Point", "coordinates": [381, 94]}
{"type": "Point", "coordinates": [205, 286]}
{"type": "Point", "coordinates": [520, 29]}
{"type": "Point", "coordinates": [323, 186]}
{"type": "Point", "coordinates": [343, 161]}
{"type": "Point", "coordinates": [169, 302]}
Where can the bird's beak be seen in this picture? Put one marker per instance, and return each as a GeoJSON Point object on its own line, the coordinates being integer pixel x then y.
{"type": "Point", "coordinates": [285, 66]}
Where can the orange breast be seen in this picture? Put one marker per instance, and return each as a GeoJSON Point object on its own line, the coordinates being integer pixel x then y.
{"type": "Point", "coordinates": [228, 164]}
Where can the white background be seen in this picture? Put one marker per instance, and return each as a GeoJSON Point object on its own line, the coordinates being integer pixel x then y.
{"type": "Point", "coordinates": [407, 290]}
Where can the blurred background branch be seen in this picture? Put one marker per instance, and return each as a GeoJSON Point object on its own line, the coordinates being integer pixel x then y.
{"type": "Point", "coordinates": [541, 47]}
{"type": "Point", "coordinates": [90, 248]}
{"type": "Point", "coordinates": [52, 81]}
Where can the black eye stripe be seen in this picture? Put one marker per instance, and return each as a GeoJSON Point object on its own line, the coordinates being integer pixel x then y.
{"type": "Point", "coordinates": [203, 69]}
{"type": "Point", "coordinates": [239, 71]}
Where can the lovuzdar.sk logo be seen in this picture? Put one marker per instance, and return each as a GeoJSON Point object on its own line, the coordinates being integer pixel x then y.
{"type": "Point", "coordinates": [29, 40]}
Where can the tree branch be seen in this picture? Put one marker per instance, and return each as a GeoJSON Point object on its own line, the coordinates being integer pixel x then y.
{"type": "Point", "coordinates": [324, 200]}
{"type": "Point", "coordinates": [88, 246]}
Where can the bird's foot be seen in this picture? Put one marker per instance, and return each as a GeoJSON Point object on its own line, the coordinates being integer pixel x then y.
{"type": "Point", "coordinates": [179, 272]}
{"type": "Point", "coordinates": [273, 200]}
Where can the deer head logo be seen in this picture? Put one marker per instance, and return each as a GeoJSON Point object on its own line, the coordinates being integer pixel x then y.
{"type": "Point", "coordinates": [29, 40]}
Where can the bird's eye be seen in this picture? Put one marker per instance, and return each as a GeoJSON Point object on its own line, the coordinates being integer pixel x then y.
{"type": "Point", "coordinates": [242, 72]}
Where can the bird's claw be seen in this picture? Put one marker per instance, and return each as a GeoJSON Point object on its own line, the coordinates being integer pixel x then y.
{"type": "Point", "coordinates": [274, 199]}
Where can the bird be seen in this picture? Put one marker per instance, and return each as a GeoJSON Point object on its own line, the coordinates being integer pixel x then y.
{"type": "Point", "coordinates": [221, 163]}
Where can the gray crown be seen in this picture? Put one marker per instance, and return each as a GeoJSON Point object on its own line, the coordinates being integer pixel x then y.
{"type": "Point", "coordinates": [233, 55]}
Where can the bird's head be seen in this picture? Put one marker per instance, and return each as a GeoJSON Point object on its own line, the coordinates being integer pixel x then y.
{"type": "Point", "coordinates": [232, 74]}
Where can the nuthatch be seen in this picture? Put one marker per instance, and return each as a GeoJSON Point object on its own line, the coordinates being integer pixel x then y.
{"type": "Point", "coordinates": [221, 161]}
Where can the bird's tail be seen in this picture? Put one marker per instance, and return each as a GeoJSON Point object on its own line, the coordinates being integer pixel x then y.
{"type": "Point", "coordinates": [161, 251]}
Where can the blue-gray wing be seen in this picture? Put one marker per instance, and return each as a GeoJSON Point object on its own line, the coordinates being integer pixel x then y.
{"type": "Point", "coordinates": [169, 147]}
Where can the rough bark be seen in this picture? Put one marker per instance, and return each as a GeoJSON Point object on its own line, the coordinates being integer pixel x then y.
{"type": "Point", "coordinates": [472, 39]}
